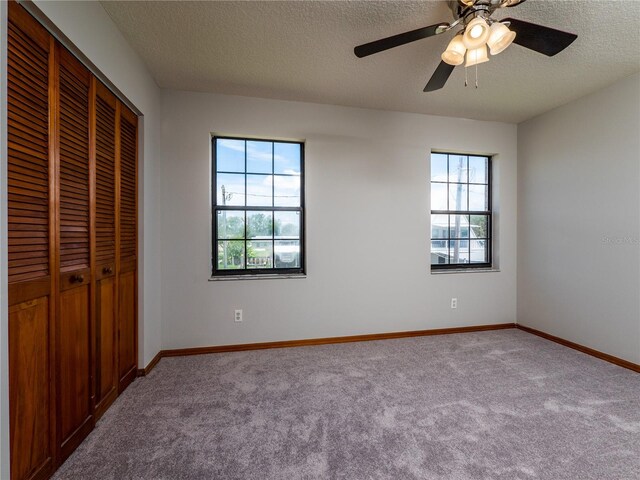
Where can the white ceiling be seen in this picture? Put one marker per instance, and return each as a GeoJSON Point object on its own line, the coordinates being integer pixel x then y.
{"type": "Point", "coordinates": [303, 50]}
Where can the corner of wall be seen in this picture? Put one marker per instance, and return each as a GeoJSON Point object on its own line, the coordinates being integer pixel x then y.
{"type": "Point", "coordinates": [578, 230]}
{"type": "Point", "coordinates": [4, 316]}
{"type": "Point", "coordinates": [150, 264]}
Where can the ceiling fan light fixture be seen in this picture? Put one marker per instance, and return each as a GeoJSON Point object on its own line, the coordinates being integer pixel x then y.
{"type": "Point", "coordinates": [500, 37]}
{"type": "Point", "coordinates": [476, 56]}
{"type": "Point", "coordinates": [475, 18]}
{"type": "Point", "coordinates": [476, 33]}
{"type": "Point", "coordinates": [454, 54]}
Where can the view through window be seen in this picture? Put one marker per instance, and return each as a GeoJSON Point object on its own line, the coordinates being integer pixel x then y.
{"type": "Point", "coordinates": [258, 206]}
{"type": "Point", "coordinates": [460, 211]}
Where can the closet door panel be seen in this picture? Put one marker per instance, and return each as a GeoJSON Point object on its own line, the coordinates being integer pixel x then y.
{"type": "Point", "coordinates": [107, 352]}
{"type": "Point", "coordinates": [105, 247]}
{"type": "Point", "coordinates": [28, 148]}
{"type": "Point", "coordinates": [128, 183]}
{"type": "Point", "coordinates": [127, 246]}
{"type": "Point", "coordinates": [29, 388]}
{"type": "Point", "coordinates": [126, 327]}
{"type": "Point", "coordinates": [74, 352]}
{"type": "Point", "coordinates": [74, 360]}
{"type": "Point", "coordinates": [31, 392]}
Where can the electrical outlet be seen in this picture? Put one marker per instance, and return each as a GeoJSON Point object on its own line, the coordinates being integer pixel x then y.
{"type": "Point", "coordinates": [238, 316]}
{"type": "Point", "coordinates": [454, 303]}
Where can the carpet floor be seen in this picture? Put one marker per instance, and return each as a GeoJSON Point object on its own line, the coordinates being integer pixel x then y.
{"type": "Point", "coordinates": [492, 405]}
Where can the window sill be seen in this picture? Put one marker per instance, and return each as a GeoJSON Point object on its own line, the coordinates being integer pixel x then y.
{"type": "Point", "coordinates": [225, 278]}
{"type": "Point", "coordinates": [464, 270]}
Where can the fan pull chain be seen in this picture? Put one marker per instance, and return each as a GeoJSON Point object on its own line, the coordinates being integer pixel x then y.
{"type": "Point", "coordinates": [466, 78]}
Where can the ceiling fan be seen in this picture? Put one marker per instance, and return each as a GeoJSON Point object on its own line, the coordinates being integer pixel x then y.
{"type": "Point", "coordinates": [479, 32]}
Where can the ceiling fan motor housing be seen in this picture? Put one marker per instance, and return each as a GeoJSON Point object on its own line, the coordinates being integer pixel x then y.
{"type": "Point", "coordinates": [467, 10]}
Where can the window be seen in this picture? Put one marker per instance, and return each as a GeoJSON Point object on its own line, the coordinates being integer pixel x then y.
{"type": "Point", "coordinates": [258, 206]}
{"type": "Point", "coordinates": [460, 211]}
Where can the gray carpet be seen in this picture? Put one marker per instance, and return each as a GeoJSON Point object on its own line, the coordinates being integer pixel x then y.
{"type": "Point", "coordinates": [491, 405]}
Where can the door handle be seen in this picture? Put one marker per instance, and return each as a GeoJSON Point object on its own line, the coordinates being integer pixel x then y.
{"type": "Point", "coordinates": [107, 270]}
{"type": "Point", "coordinates": [76, 278]}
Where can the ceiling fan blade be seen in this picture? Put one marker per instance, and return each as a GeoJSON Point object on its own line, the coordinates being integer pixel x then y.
{"type": "Point", "coordinates": [439, 77]}
{"type": "Point", "coordinates": [400, 39]}
{"type": "Point", "coordinates": [541, 39]}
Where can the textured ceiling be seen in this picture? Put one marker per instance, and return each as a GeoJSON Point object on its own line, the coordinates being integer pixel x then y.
{"type": "Point", "coordinates": [303, 50]}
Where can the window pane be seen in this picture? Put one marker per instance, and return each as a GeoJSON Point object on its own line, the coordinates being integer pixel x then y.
{"type": "Point", "coordinates": [287, 253]}
{"type": "Point", "coordinates": [439, 252]}
{"type": "Point", "coordinates": [259, 225]}
{"type": "Point", "coordinates": [230, 224]}
{"type": "Point", "coordinates": [259, 157]}
{"type": "Point", "coordinates": [479, 251]}
{"type": "Point", "coordinates": [229, 155]}
{"type": "Point", "coordinates": [260, 254]}
{"type": "Point", "coordinates": [286, 158]}
{"type": "Point", "coordinates": [478, 198]}
{"type": "Point", "coordinates": [479, 226]}
{"type": "Point", "coordinates": [459, 251]}
{"type": "Point", "coordinates": [261, 180]}
{"type": "Point", "coordinates": [457, 196]}
{"type": "Point", "coordinates": [231, 255]}
{"type": "Point", "coordinates": [458, 168]}
{"type": "Point", "coordinates": [439, 167]}
{"type": "Point", "coordinates": [259, 190]}
{"type": "Point", "coordinates": [439, 226]}
{"type": "Point", "coordinates": [230, 189]}
{"type": "Point", "coordinates": [286, 191]}
{"type": "Point", "coordinates": [478, 169]}
{"type": "Point", "coordinates": [460, 184]}
{"type": "Point", "coordinates": [459, 226]}
{"type": "Point", "coordinates": [287, 225]}
{"type": "Point", "coordinates": [438, 196]}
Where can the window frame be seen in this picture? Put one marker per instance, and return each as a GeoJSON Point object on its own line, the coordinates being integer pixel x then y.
{"type": "Point", "coordinates": [215, 208]}
{"type": "Point", "coordinates": [488, 213]}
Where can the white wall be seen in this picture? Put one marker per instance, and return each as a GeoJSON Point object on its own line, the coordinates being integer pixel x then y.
{"type": "Point", "coordinates": [367, 196]}
{"type": "Point", "coordinates": [579, 221]}
{"type": "Point", "coordinates": [91, 29]}
{"type": "Point", "coordinates": [4, 319]}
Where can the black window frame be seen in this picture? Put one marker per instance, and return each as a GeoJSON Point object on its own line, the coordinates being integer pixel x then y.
{"type": "Point", "coordinates": [215, 272]}
{"type": "Point", "coordinates": [450, 212]}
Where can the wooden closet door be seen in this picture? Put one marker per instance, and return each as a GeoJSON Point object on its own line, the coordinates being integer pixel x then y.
{"type": "Point", "coordinates": [31, 393]}
{"type": "Point", "coordinates": [74, 362]}
{"type": "Point", "coordinates": [105, 248]}
{"type": "Point", "coordinates": [127, 247]}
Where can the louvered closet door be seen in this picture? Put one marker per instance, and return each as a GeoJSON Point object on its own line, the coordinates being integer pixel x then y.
{"type": "Point", "coordinates": [74, 371]}
{"type": "Point", "coordinates": [127, 277]}
{"type": "Point", "coordinates": [29, 273]}
{"type": "Point", "coordinates": [105, 249]}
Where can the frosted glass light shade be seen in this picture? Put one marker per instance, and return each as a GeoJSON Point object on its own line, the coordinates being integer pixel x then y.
{"type": "Point", "coordinates": [454, 54]}
{"type": "Point", "coordinates": [476, 33]}
{"type": "Point", "coordinates": [476, 56]}
{"type": "Point", "coordinates": [500, 37]}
